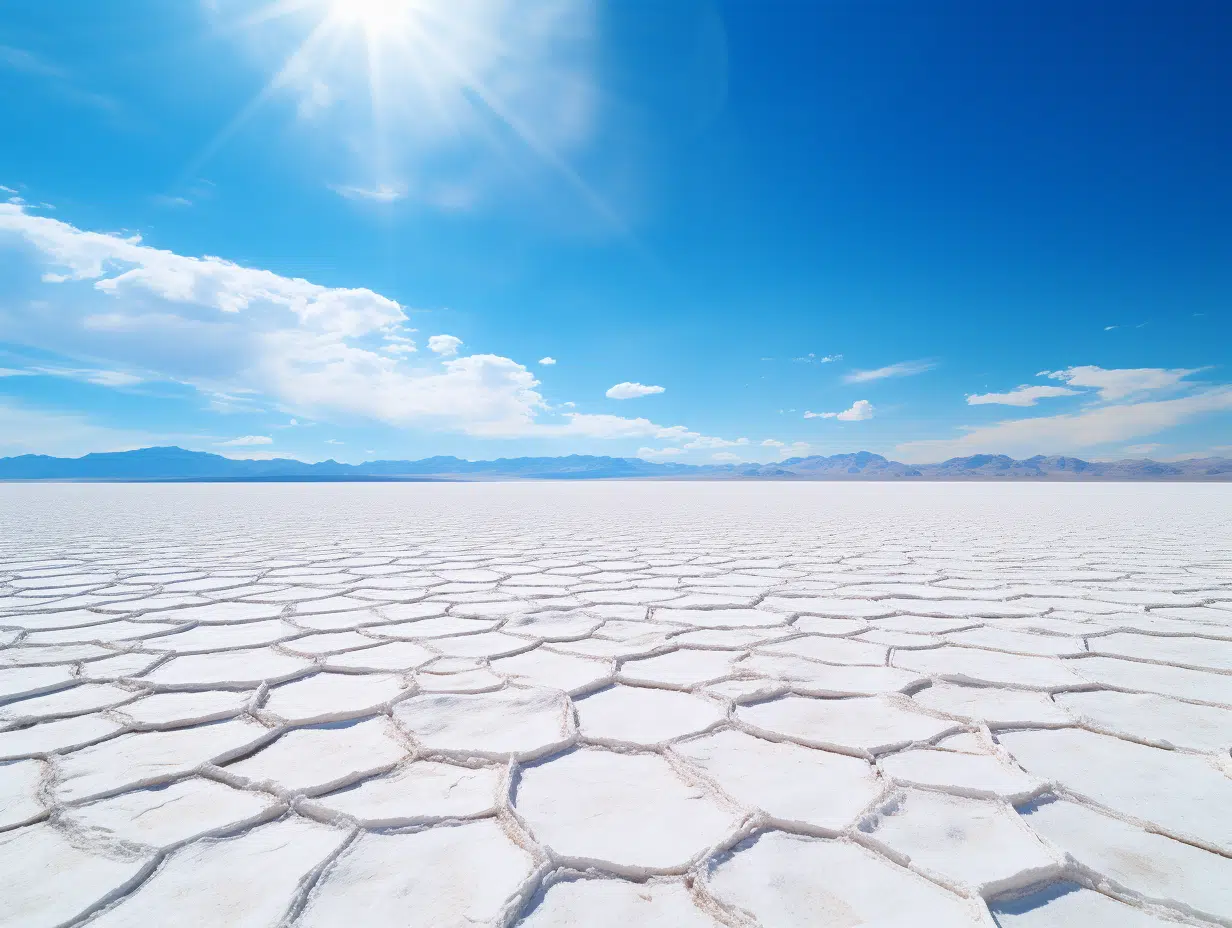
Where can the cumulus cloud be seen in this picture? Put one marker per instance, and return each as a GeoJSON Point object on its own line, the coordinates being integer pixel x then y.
{"type": "Point", "coordinates": [547, 362]}
{"type": "Point", "coordinates": [1118, 384]}
{"type": "Point", "coordinates": [901, 369]}
{"type": "Point", "coordinates": [247, 440]}
{"type": "Point", "coordinates": [772, 443]}
{"type": "Point", "coordinates": [629, 391]}
{"type": "Point", "coordinates": [859, 411]}
{"type": "Point", "coordinates": [123, 265]}
{"type": "Point", "coordinates": [1074, 431]}
{"type": "Point", "coordinates": [246, 337]}
{"type": "Point", "coordinates": [1024, 395]}
{"type": "Point", "coordinates": [445, 345]}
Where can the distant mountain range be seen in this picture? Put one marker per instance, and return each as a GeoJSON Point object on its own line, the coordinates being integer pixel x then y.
{"type": "Point", "coordinates": [176, 464]}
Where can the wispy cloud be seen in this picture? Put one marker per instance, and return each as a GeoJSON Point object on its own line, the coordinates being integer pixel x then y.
{"type": "Point", "coordinates": [1075, 431]}
{"type": "Point", "coordinates": [58, 79]}
{"type": "Point", "coordinates": [246, 440]}
{"type": "Point", "coordinates": [31, 430]}
{"type": "Point", "coordinates": [1025, 395]}
{"type": "Point", "coordinates": [1118, 384]}
{"type": "Point", "coordinates": [660, 452]}
{"type": "Point", "coordinates": [629, 391]}
{"type": "Point", "coordinates": [382, 193]}
{"type": "Point", "coordinates": [101, 378]}
{"type": "Point", "coordinates": [901, 369]}
{"type": "Point", "coordinates": [811, 358]}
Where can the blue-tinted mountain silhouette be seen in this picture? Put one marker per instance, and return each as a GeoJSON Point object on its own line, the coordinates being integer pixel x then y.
{"type": "Point", "coordinates": [177, 464]}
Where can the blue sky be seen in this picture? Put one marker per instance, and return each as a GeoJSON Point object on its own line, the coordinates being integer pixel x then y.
{"type": "Point", "coordinates": [688, 230]}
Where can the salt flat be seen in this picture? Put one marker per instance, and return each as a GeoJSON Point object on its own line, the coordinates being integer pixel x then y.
{"type": "Point", "coordinates": [603, 704]}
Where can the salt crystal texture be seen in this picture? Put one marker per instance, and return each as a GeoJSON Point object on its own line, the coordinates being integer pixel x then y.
{"type": "Point", "coordinates": [613, 704]}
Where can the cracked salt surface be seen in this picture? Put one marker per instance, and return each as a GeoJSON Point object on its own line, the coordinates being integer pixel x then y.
{"type": "Point", "coordinates": [610, 704]}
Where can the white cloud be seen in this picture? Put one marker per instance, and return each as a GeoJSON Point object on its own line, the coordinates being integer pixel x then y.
{"type": "Point", "coordinates": [334, 441]}
{"type": "Point", "coordinates": [772, 443]}
{"type": "Point", "coordinates": [101, 378]}
{"type": "Point", "coordinates": [660, 452]}
{"type": "Point", "coordinates": [1216, 451]}
{"type": "Point", "coordinates": [902, 369]}
{"type": "Point", "coordinates": [13, 372]}
{"type": "Point", "coordinates": [1067, 433]}
{"type": "Point", "coordinates": [382, 193]}
{"type": "Point", "coordinates": [445, 345]}
{"type": "Point", "coordinates": [727, 456]}
{"type": "Point", "coordinates": [30, 430]}
{"type": "Point", "coordinates": [122, 266]}
{"type": "Point", "coordinates": [628, 391]}
{"type": "Point", "coordinates": [547, 362]}
{"type": "Point", "coordinates": [113, 378]}
{"type": "Point", "coordinates": [706, 441]}
{"type": "Point", "coordinates": [1143, 449]}
{"type": "Point", "coordinates": [1120, 383]}
{"type": "Point", "coordinates": [812, 358]}
{"type": "Point", "coordinates": [859, 411]}
{"type": "Point", "coordinates": [247, 440]}
{"type": "Point", "coordinates": [1024, 395]}
{"type": "Point", "coordinates": [247, 338]}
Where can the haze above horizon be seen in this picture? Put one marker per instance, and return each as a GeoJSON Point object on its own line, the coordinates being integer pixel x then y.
{"type": "Point", "coordinates": [692, 231]}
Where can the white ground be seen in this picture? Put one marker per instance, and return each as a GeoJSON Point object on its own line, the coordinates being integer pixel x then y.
{"type": "Point", "coordinates": [652, 704]}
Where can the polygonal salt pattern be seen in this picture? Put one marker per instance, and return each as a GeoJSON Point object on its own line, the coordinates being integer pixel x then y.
{"type": "Point", "coordinates": [629, 813]}
{"type": "Point", "coordinates": [251, 880]}
{"type": "Point", "coordinates": [971, 845]}
{"type": "Point", "coordinates": [864, 727]}
{"type": "Point", "coordinates": [421, 792]}
{"type": "Point", "coordinates": [644, 716]}
{"type": "Point", "coordinates": [616, 903]}
{"type": "Point", "coordinates": [450, 875]}
{"type": "Point", "coordinates": [614, 704]}
{"type": "Point", "coordinates": [1136, 862]}
{"type": "Point", "coordinates": [787, 881]}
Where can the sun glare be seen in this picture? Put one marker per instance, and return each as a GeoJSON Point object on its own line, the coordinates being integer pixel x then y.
{"type": "Point", "coordinates": [373, 15]}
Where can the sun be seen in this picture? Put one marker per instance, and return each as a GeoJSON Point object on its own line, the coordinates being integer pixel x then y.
{"type": "Point", "coordinates": [372, 15]}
